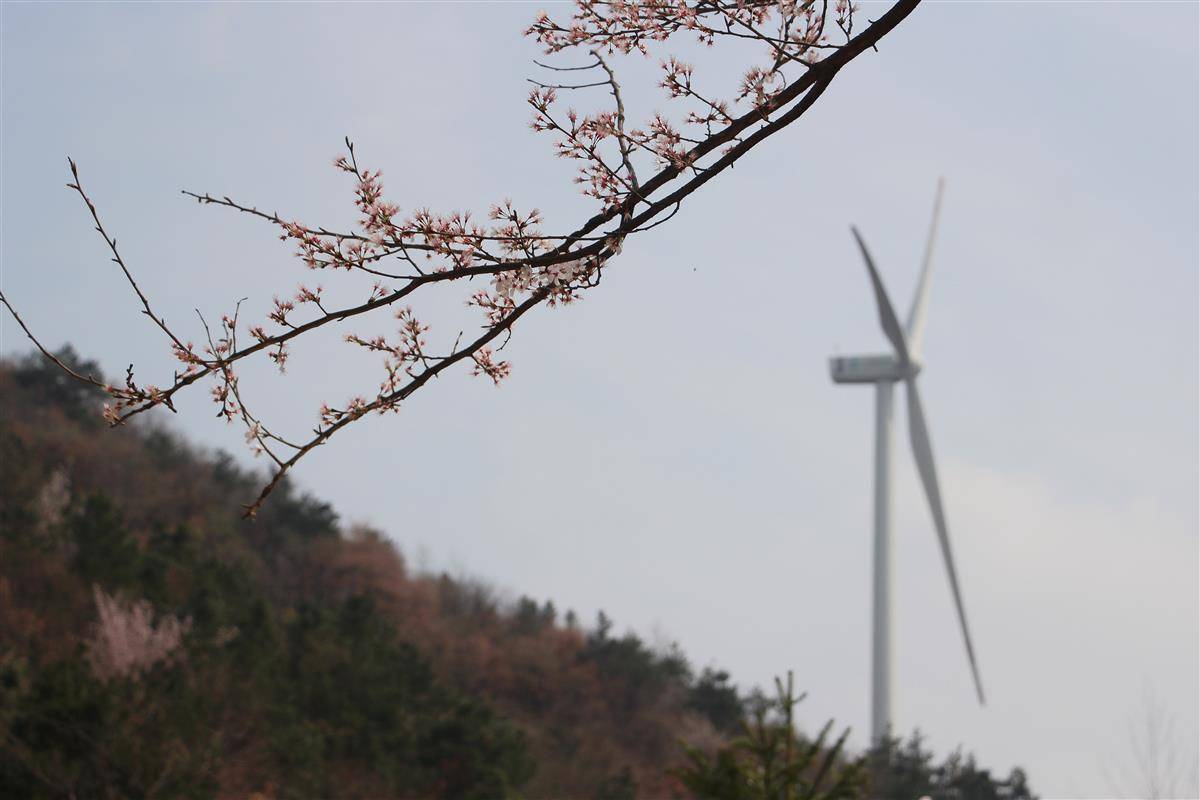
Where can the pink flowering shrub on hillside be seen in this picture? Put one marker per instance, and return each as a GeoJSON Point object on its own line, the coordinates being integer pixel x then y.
{"type": "Point", "coordinates": [127, 641]}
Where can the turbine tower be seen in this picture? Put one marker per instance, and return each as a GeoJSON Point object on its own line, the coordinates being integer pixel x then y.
{"type": "Point", "coordinates": [886, 370]}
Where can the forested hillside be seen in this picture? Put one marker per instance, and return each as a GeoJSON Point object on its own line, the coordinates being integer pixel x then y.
{"type": "Point", "coordinates": [155, 644]}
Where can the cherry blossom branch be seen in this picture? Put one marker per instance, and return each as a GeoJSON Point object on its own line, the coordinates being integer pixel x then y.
{"type": "Point", "coordinates": [522, 265]}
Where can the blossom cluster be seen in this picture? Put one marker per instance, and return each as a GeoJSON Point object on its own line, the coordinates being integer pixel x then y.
{"type": "Point", "coordinates": [402, 356]}
{"type": "Point", "coordinates": [129, 396]}
{"type": "Point", "coordinates": [791, 32]}
{"type": "Point", "coordinates": [628, 25]}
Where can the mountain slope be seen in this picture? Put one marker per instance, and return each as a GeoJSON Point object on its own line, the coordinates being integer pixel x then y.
{"type": "Point", "coordinates": [287, 656]}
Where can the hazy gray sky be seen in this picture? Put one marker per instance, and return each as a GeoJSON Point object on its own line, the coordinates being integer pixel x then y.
{"type": "Point", "coordinates": [671, 449]}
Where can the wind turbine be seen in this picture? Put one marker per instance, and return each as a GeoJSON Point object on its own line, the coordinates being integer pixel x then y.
{"type": "Point", "coordinates": [886, 370]}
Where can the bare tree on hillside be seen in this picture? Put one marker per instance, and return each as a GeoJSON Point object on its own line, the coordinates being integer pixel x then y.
{"type": "Point", "coordinates": [1159, 765]}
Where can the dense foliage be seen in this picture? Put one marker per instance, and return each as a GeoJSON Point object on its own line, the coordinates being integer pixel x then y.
{"type": "Point", "coordinates": [155, 644]}
{"type": "Point", "coordinates": [905, 769]}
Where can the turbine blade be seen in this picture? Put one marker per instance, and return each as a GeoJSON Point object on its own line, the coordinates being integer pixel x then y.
{"type": "Point", "coordinates": [923, 454]}
{"type": "Point", "coordinates": [916, 315]}
{"type": "Point", "coordinates": [887, 315]}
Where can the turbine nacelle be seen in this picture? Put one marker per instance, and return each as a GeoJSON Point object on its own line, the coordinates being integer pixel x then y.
{"type": "Point", "coordinates": [871, 368]}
